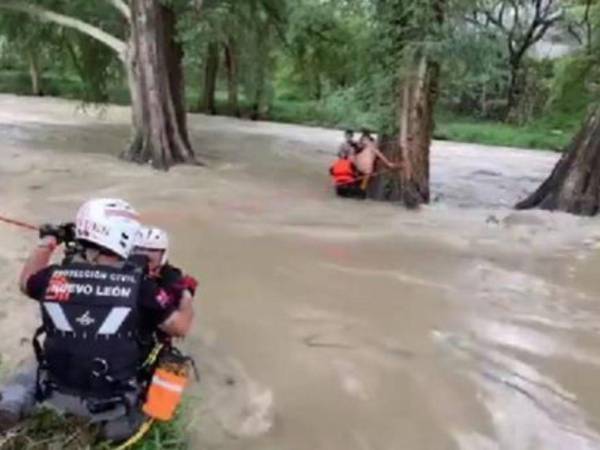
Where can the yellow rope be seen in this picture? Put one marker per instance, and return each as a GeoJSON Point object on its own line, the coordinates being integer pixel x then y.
{"type": "Point", "coordinates": [137, 436]}
{"type": "Point", "coordinates": [151, 359]}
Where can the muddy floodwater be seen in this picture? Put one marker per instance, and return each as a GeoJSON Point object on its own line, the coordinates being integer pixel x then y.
{"type": "Point", "coordinates": [326, 324]}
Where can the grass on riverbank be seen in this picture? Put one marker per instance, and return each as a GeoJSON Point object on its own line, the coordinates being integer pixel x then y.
{"type": "Point", "coordinates": [542, 134]}
{"type": "Point", "coordinates": [46, 430]}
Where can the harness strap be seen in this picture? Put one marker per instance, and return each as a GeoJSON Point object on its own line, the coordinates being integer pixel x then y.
{"type": "Point", "coordinates": [41, 392]}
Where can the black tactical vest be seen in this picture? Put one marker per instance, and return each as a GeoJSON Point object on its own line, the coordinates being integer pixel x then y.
{"type": "Point", "coordinates": [93, 347]}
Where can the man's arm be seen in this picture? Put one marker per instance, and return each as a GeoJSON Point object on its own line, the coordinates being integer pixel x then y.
{"type": "Point", "coordinates": [180, 321]}
{"type": "Point", "coordinates": [38, 259]}
{"type": "Point", "coordinates": [381, 156]}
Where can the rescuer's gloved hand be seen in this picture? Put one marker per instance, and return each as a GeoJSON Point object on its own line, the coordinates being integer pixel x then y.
{"type": "Point", "coordinates": [62, 233]}
{"type": "Point", "coordinates": [188, 283]}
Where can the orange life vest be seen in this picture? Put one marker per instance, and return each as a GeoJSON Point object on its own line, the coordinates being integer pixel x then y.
{"type": "Point", "coordinates": [343, 172]}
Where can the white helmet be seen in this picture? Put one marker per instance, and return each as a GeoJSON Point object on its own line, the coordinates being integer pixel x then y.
{"type": "Point", "coordinates": [152, 238]}
{"type": "Point", "coordinates": [109, 223]}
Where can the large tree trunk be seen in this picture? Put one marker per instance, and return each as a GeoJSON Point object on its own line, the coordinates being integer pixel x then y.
{"type": "Point", "coordinates": [155, 77]}
{"type": "Point", "coordinates": [211, 70]}
{"type": "Point", "coordinates": [515, 87]}
{"type": "Point", "coordinates": [259, 107]}
{"type": "Point", "coordinates": [574, 185]}
{"type": "Point", "coordinates": [416, 92]}
{"type": "Point", "coordinates": [410, 147]}
{"type": "Point", "coordinates": [231, 65]}
{"type": "Point", "coordinates": [256, 108]}
{"type": "Point", "coordinates": [34, 72]}
{"type": "Point", "coordinates": [174, 55]}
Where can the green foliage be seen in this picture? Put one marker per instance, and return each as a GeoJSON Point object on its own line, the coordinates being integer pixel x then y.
{"type": "Point", "coordinates": [94, 63]}
{"type": "Point", "coordinates": [575, 83]}
{"type": "Point", "coordinates": [325, 48]}
{"type": "Point", "coordinates": [538, 135]}
{"type": "Point", "coordinates": [58, 84]}
{"type": "Point", "coordinates": [47, 430]}
{"type": "Point", "coordinates": [60, 50]}
{"type": "Point", "coordinates": [474, 73]}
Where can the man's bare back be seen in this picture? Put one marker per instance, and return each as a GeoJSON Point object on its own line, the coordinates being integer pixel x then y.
{"type": "Point", "coordinates": [366, 158]}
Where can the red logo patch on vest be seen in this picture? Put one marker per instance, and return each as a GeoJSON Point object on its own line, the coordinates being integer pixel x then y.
{"type": "Point", "coordinates": [58, 289]}
{"type": "Point", "coordinates": [163, 298]}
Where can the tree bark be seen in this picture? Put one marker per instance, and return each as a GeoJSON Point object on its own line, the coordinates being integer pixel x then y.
{"type": "Point", "coordinates": [211, 70]}
{"type": "Point", "coordinates": [34, 72]}
{"type": "Point", "coordinates": [514, 92]}
{"type": "Point", "coordinates": [574, 184]}
{"type": "Point", "coordinates": [416, 90]}
{"type": "Point", "coordinates": [256, 109]}
{"type": "Point", "coordinates": [160, 135]}
{"type": "Point", "coordinates": [231, 65]}
{"type": "Point", "coordinates": [174, 55]}
{"type": "Point", "coordinates": [410, 148]}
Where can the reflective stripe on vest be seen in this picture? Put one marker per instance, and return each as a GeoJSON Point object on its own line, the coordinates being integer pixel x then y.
{"type": "Point", "coordinates": [169, 386]}
{"type": "Point", "coordinates": [110, 326]}
{"type": "Point", "coordinates": [58, 317]}
{"type": "Point", "coordinates": [114, 320]}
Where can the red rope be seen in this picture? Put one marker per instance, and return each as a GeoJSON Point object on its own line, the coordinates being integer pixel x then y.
{"type": "Point", "coordinates": [18, 223]}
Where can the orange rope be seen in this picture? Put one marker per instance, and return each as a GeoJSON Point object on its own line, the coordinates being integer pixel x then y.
{"type": "Point", "coordinates": [18, 223]}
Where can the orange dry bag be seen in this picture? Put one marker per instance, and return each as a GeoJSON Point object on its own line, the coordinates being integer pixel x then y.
{"type": "Point", "coordinates": [167, 386]}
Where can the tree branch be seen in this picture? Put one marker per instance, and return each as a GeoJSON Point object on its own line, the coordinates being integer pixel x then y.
{"type": "Point", "coordinates": [122, 7]}
{"type": "Point", "coordinates": [588, 26]}
{"type": "Point", "coordinates": [46, 15]}
{"type": "Point", "coordinates": [495, 21]}
{"type": "Point", "coordinates": [575, 33]}
{"type": "Point", "coordinates": [544, 27]}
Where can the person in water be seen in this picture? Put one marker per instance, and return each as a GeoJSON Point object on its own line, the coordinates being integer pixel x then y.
{"type": "Point", "coordinates": [152, 246]}
{"type": "Point", "coordinates": [349, 145]}
{"type": "Point", "coordinates": [366, 157]}
{"type": "Point", "coordinates": [346, 177]}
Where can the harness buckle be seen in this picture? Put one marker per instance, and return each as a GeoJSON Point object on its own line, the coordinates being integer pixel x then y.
{"type": "Point", "coordinates": [99, 367]}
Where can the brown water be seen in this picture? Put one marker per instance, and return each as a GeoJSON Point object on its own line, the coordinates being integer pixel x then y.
{"type": "Point", "coordinates": [339, 325]}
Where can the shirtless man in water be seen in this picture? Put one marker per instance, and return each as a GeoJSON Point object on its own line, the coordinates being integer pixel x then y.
{"type": "Point", "coordinates": [366, 157]}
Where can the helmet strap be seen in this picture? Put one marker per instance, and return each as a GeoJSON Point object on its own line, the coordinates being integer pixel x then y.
{"type": "Point", "coordinates": [92, 255]}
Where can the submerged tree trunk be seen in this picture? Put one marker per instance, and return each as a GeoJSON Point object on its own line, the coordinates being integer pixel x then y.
{"type": "Point", "coordinates": [415, 90]}
{"type": "Point", "coordinates": [155, 76]}
{"type": "Point", "coordinates": [574, 184]}
{"type": "Point", "coordinates": [34, 72]}
{"type": "Point", "coordinates": [231, 65]}
{"type": "Point", "coordinates": [410, 148]}
{"type": "Point", "coordinates": [256, 109]}
{"type": "Point", "coordinates": [211, 70]}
